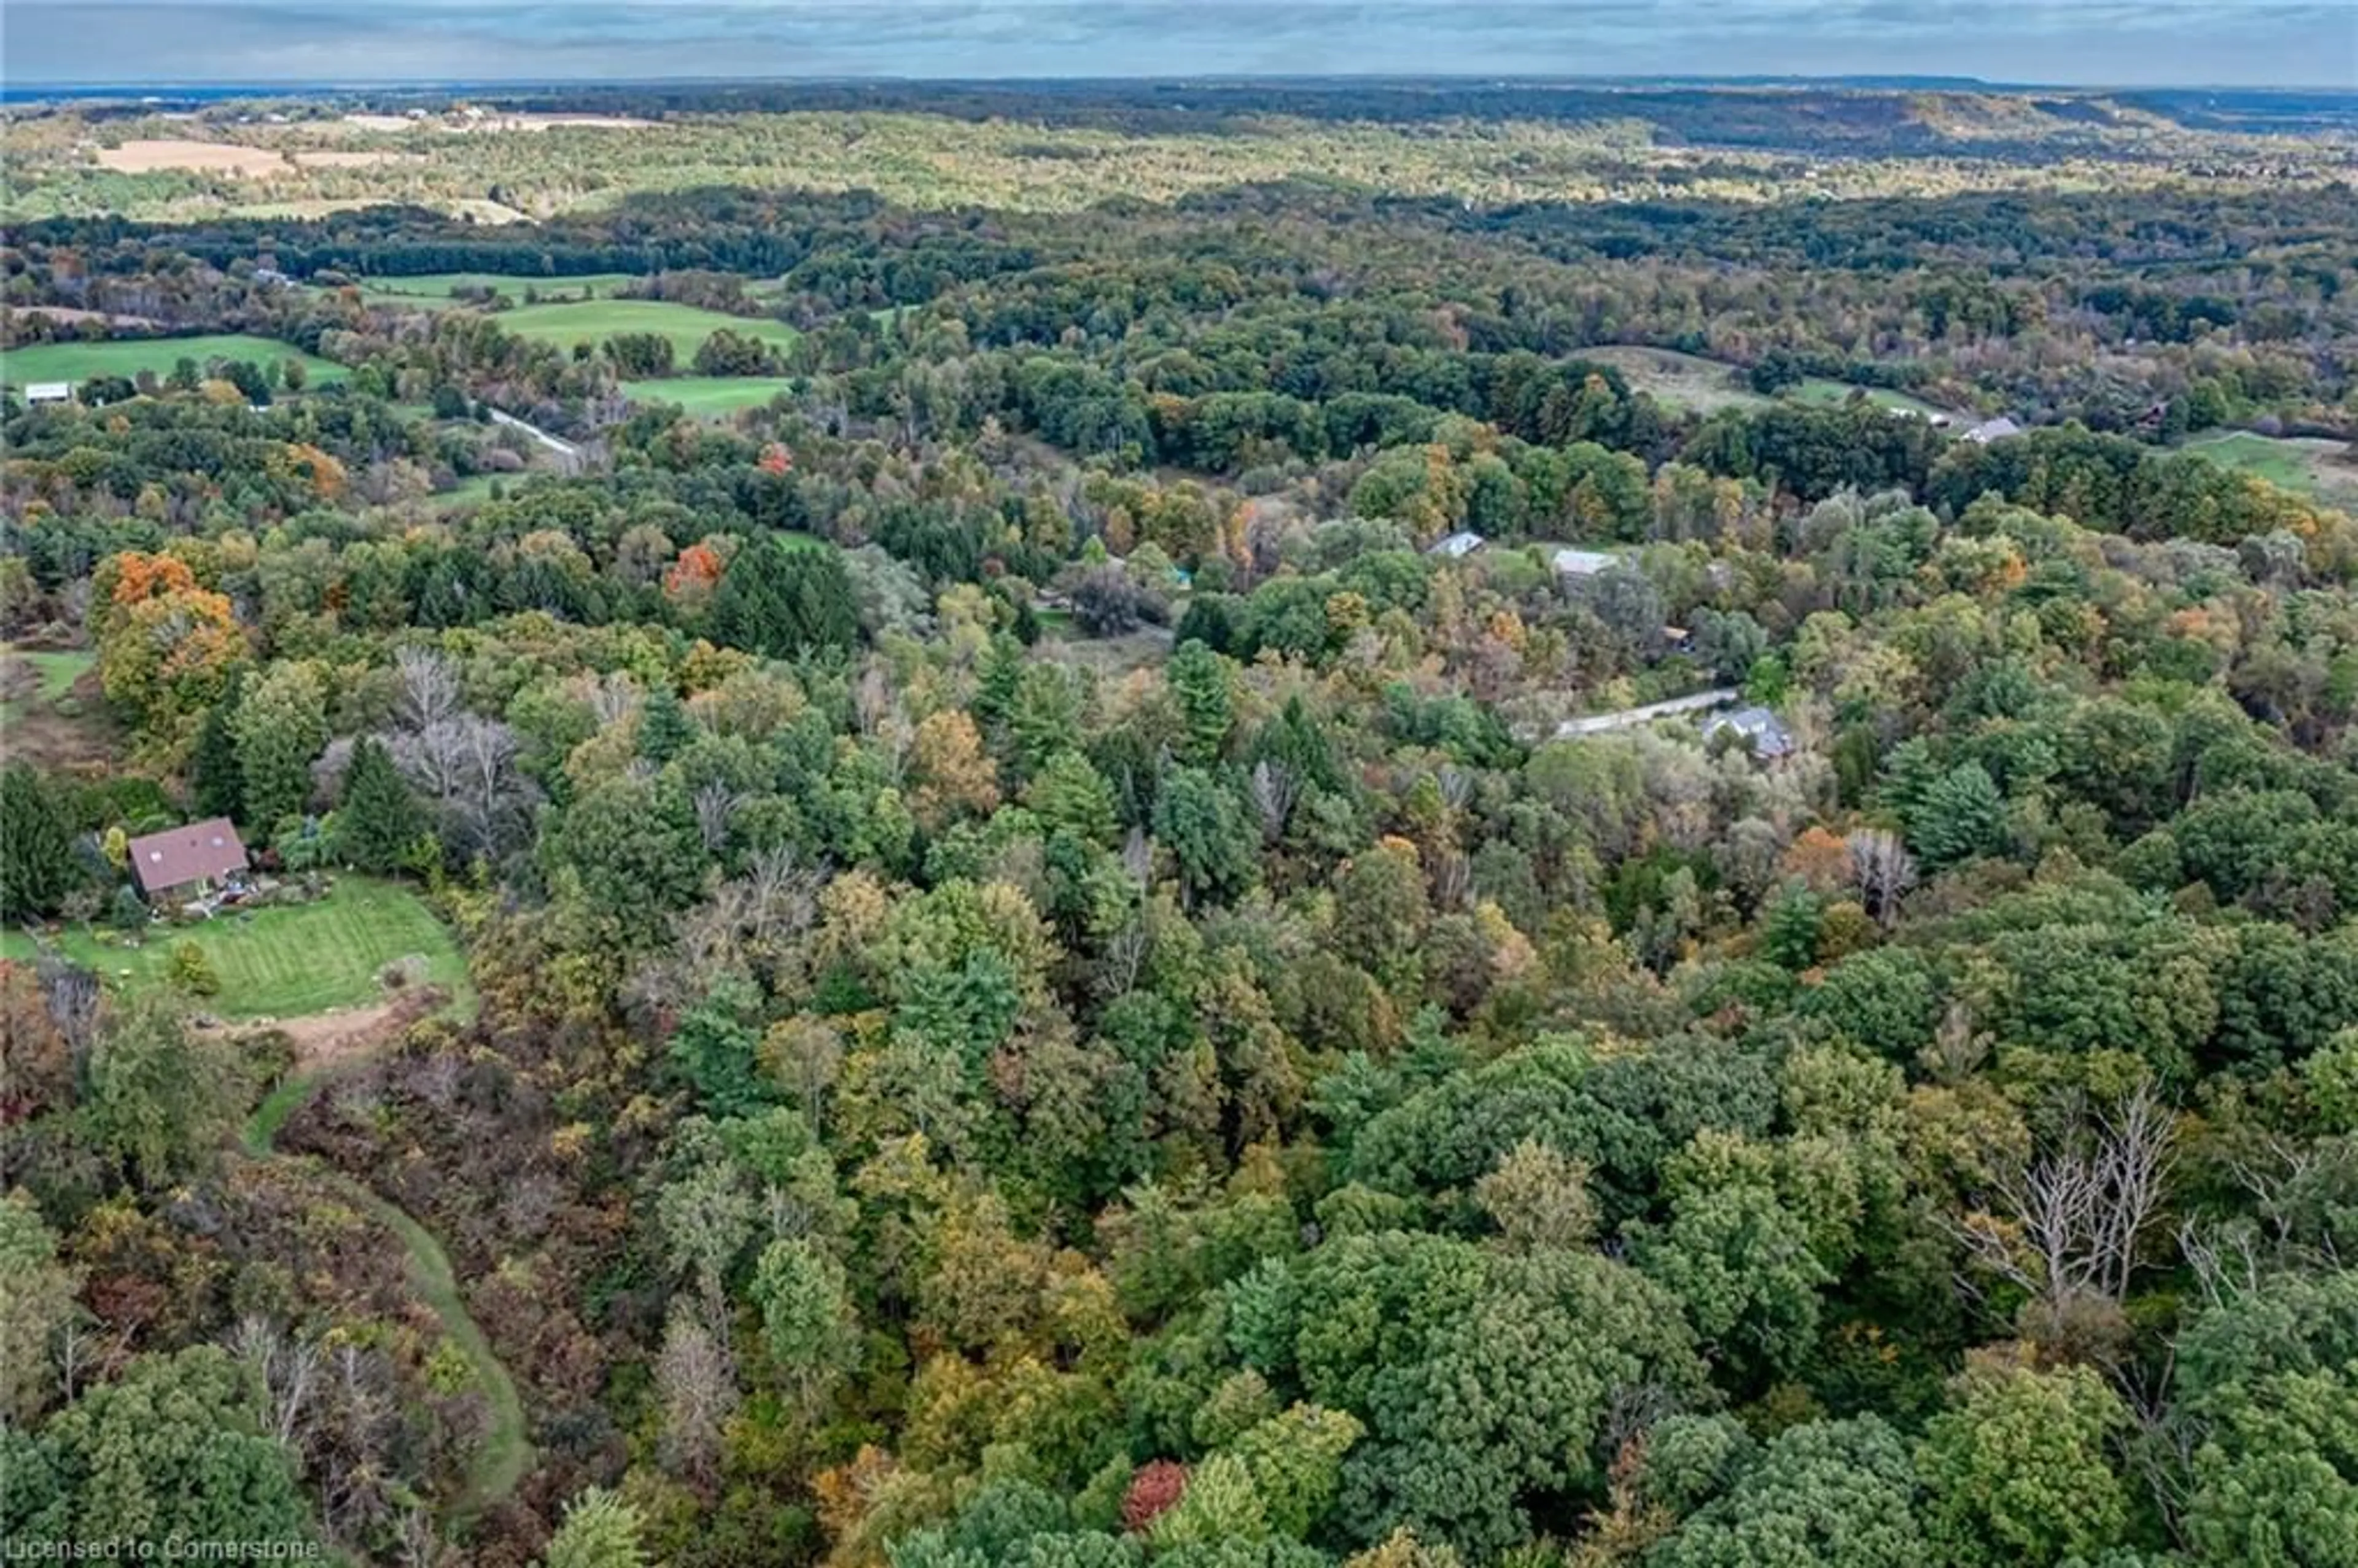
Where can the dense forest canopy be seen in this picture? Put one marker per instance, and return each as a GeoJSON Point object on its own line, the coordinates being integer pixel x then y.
{"type": "Point", "coordinates": [1569, 828]}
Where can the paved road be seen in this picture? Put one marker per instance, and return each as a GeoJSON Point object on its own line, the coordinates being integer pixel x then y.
{"type": "Point", "coordinates": [1630, 717]}
{"type": "Point", "coordinates": [565, 450]}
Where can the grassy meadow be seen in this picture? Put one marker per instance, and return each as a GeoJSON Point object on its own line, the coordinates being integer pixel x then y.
{"type": "Point", "coordinates": [595, 321]}
{"type": "Point", "coordinates": [436, 288]}
{"type": "Point", "coordinates": [2307, 466]}
{"type": "Point", "coordinates": [708, 395]}
{"type": "Point", "coordinates": [78, 363]}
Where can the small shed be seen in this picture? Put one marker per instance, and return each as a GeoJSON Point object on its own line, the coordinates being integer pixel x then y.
{"type": "Point", "coordinates": [1584, 563]}
{"type": "Point", "coordinates": [1759, 728]}
{"type": "Point", "coordinates": [48, 392]}
{"type": "Point", "coordinates": [180, 863]}
{"type": "Point", "coordinates": [1458, 546]}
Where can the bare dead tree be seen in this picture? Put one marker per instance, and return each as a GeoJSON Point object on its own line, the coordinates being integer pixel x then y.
{"type": "Point", "coordinates": [1883, 869]}
{"type": "Point", "coordinates": [417, 1544]}
{"type": "Point", "coordinates": [429, 687]}
{"type": "Point", "coordinates": [784, 894]}
{"type": "Point", "coordinates": [465, 765]}
{"type": "Point", "coordinates": [716, 803]}
{"type": "Point", "coordinates": [1125, 959]}
{"type": "Point", "coordinates": [2069, 1229]}
{"type": "Point", "coordinates": [1274, 789]}
{"type": "Point", "coordinates": [2225, 1258]}
{"type": "Point", "coordinates": [1453, 878]}
{"type": "Point", "coordinates": [71, 993]}
{"type": "Point", "coordinates": [699, 1389]}
{"type": "Point", "coordinates": [872, 700]}
{"type": "Point", "coordinates": [614, 699]}
{"type": "Point", "coordinates": [285, 1367]}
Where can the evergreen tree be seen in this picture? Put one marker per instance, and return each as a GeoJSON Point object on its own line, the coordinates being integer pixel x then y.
{"type": "Point", "coordinates": [280, 727]}
{"type": "Point", "coordinates": [37, 859]}
{"type": "Point", "coordinates": [664, 729]}
{"type": "Point", "coordinates": [785, 601]}
{"type": "Point", "coordinates": [1199, 682]}
{"type": "Point", "coordinates": [215, 776]}
{"type": "Point", "coordinates": [379, 820]}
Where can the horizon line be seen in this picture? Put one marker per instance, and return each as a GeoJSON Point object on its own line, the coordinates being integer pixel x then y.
{"type": "Point", "coordinates": [1895, 79]}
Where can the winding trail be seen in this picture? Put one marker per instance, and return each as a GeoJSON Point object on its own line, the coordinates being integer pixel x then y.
{"type": "Point", "coordinates": [506, 1454]}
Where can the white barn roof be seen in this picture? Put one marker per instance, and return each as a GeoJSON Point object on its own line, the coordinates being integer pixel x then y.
{"type": "Point", "coordinates": [1584, 563]}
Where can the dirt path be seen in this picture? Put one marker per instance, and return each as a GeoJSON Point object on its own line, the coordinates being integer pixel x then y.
{"type": "Point", "coordinates": [327, 1046]}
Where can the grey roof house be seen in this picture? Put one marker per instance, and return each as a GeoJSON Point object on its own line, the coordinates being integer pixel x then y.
{"type": "Point", "coordinates": [1458, 546]}
{"type": "Point", "coordinates": [1990, 430]}
{"type": "Point", "coordinates": [1759, 728]}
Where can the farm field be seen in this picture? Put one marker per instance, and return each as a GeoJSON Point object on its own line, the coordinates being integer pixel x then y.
{"type": "Point", "coordinates": [2306, 465]}
{"type": "Point", "coordinates": [78, 363]}
{"type": "Point", "coordinates": [434, 287]}
{"type": "Point", "coordinates": [708, 394]}
{"type": "Point", "coordinates": [282, 962]}
{"type": "Point", "coordinates": [1707, 385]}
{"type": "Point", "coordinates": [594, 322]}
{"type": "Point", "coordinates": [1683, 381]}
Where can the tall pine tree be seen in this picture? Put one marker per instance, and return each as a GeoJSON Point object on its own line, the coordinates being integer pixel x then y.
{"type": "Point", "coordinates": [215, 774]}
{"type": "Point", "coordinates": [379, 820]}
{"type": "Point", "coordinates": [664, 729]}
{"type": "Point", "coordinates": [783, 601]}
{"type": "Point", "coordinates": [37, 859]}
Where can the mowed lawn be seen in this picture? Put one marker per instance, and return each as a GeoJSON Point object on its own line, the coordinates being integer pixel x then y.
{"type": "Point", "coordinates": [78, 363]}
{"type": "Point", "coordinates": [708, 396]}
{"type": "Point", "coordinates": [685, 325]}
{"type": "Point", "coordinates": [282, 962]}
{"type": "Point", "coordinates": [435, 288]}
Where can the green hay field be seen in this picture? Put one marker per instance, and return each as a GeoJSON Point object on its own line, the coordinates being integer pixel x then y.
{"type": "Point", "coordinates": [78, 363]}
{"type": "Point", "coordinates": [708, 395]}
{"type": "Point", "coordinates": [434, 288]}
{"type": "Point", "coordinates": [282, 962]}
{"type": "Point", "coordinates": [594, 322]}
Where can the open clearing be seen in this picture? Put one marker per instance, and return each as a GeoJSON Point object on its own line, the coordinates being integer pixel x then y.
{"type": "Point", "coordinates": [435, 288]}
{"type": "Point", "coordinates": [1707, 385]}
{"type": "Point", "coordinates": [272, 963]}
{"type": "Point", "coordinates": [685, 325]}
{"type": "Point", "coordinates": [50, 711]}
{"type": "Point", "coordinates": [1817, 389]}
{"type": "Point", "coordinates": [147, 156]}
{"type": "Point", "coordinates": [69, 313]}
{"type": "Point", "coordinates": [152, 155]}
{"type": "Point", "coordinates": [708, 395]}
{"type": "Point", "coordinates": [1683, 381]}
{"type": "Point", "coordinates": [2308, 465]}
{"type": "Point", "coordinates": [78, 363]}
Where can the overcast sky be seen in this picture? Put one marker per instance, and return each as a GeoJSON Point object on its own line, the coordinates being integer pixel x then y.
{"type": "Point", "coordinates": [2102, 42]}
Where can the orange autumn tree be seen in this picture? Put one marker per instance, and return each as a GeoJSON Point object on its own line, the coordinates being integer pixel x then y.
{"type": "Point", "coordinates": [167, 648]}
{"type": "Point", "coordinates": [692, 577]}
